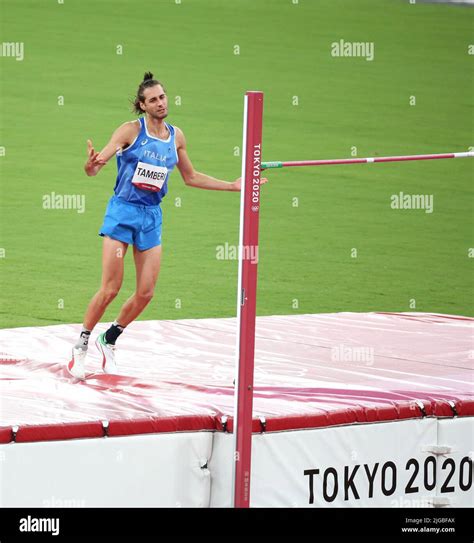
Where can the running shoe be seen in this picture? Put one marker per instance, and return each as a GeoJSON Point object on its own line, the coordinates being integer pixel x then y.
{"type": "Point", "coordinates": [76, 367]}
{"type": "Point", "coordinates": [108, 355]}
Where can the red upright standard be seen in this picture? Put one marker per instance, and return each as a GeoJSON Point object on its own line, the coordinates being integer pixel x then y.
{"type": "Point", "coordinates": [247, 295]}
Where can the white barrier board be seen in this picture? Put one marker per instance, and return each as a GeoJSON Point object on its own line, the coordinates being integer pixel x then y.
{"type": "Point", "coordinates": [388, 464]}
{"type": "Point", "coordinates": [155, 470]}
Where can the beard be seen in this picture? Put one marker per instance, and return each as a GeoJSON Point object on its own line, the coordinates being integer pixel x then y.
{"type": "Point", "coordinates": [161, 115]}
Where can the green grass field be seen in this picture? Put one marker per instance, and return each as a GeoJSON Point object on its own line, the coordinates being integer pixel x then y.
{"type": "Point", "coordinates": [407, 260]}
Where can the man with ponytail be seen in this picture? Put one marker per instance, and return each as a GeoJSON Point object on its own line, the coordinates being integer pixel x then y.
{"type": "Point", "coordinates": [147, 150]}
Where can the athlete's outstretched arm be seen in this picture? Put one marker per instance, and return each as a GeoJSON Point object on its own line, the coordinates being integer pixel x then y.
{"type": "Point", "coordinates": [122, 137]}
{"type": "Point", "coordinates": [193, 178]}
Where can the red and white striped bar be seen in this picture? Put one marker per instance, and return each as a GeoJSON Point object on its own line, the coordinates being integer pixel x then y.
{"type": "Point", "coordinates": [247, 295]}
{"type": "Point", "coordinates": [277, 164]}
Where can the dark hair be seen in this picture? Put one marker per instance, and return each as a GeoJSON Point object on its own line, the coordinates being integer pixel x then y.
{"type": "Point", "coordinates": [148, 81]}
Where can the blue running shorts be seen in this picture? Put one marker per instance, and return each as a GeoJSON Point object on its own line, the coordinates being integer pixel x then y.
{"type": "Point", "coordinates": [134, 224]}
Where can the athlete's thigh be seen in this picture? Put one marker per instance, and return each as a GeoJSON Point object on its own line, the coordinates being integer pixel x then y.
{"type": "Point", "coordinates": [113, 254]}
{"type": "Point", "coordinates": [147, 264]}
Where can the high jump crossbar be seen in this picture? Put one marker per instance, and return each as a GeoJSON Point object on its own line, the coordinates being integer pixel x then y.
{"type": "Point", "coordinates": [402, 158]}
{"type": "Point", "coordinates": [247, 279]}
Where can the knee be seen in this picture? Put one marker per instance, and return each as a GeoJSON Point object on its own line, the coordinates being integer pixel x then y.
{"type": "Point", "coordinates": [144, 296]}
{"type": "Point", "coordinates": [109, 293]}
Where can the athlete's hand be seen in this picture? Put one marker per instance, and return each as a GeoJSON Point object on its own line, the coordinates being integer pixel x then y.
{"type": "Point", "coordinates": [94, 163]}
{"type": "Point", "coordinates": [237, 184]}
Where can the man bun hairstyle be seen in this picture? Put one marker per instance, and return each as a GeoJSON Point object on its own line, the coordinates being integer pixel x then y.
{"type": "Point", "coordinates": [148, 81]}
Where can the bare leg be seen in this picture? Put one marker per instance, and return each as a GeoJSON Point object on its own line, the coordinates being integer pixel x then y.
{"type": "Point", "coordinates": [113, 253]}
{"type": "Point", "coordinates": [147, 264]}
